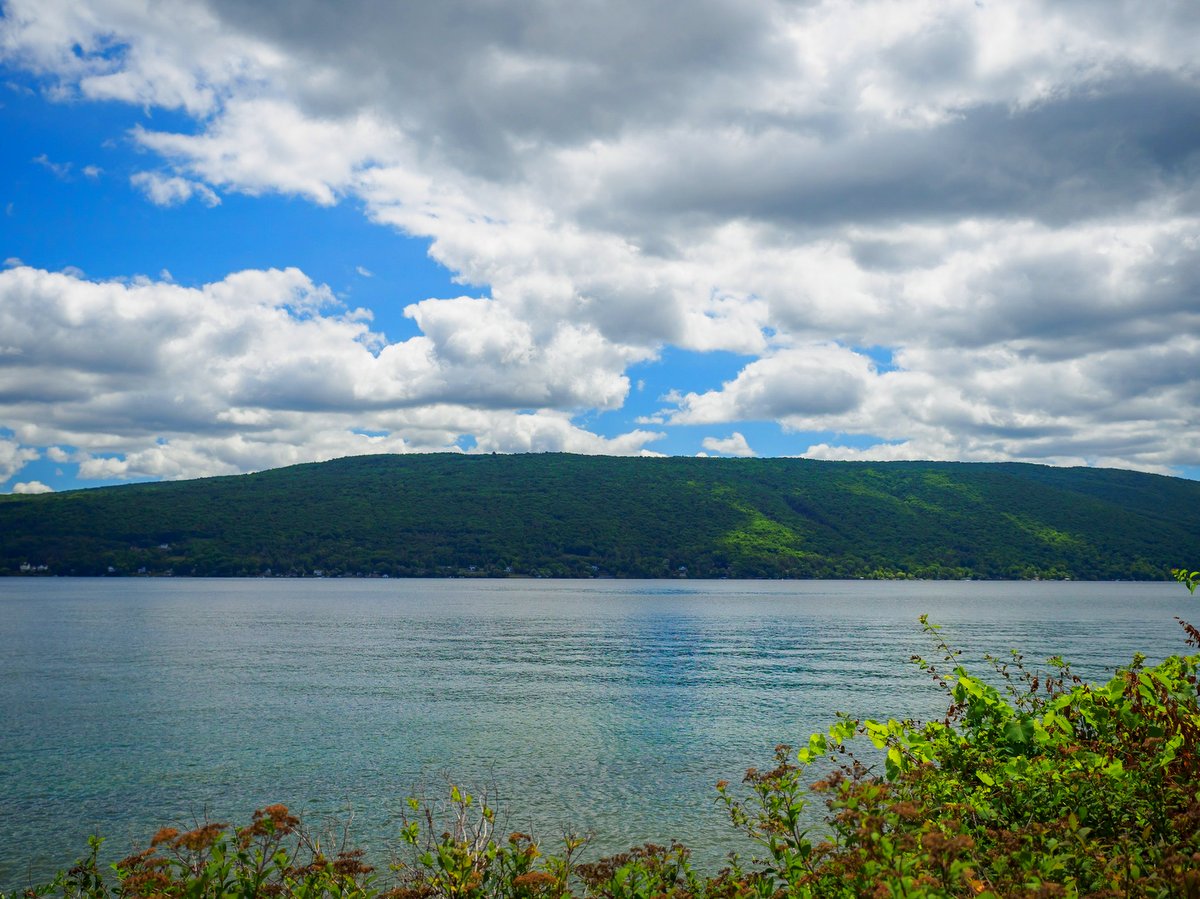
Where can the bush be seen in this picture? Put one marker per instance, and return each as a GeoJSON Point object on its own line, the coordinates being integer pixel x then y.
{"type": "Point", "coordinates": [1048, 787]}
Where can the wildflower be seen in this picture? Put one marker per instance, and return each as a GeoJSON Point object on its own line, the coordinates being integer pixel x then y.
{"type": "Point", "coordinates": [279, 815]}
{"type": "Point", "coordinates": [164, 835]}
{"type": "Point", "coordinates": [350, 864]}
{"type": "Point", "coordinates": [199, 839]}
{"type": "Point", "coordinates": [534, 881]}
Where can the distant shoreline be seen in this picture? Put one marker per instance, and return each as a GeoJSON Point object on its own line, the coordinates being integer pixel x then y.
{"type": "Point", "coordinates": [557, 515]}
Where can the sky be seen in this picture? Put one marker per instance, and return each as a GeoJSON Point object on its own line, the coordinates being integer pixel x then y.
{"type": "Point", "coordinates": [237, 236]}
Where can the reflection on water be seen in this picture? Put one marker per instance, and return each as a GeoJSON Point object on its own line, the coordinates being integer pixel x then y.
{"type": "Point", "coordinates": [612, 706]}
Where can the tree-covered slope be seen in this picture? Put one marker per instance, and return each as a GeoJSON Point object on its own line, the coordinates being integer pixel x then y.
{"type": "Point", "coordinates": [555, 514]}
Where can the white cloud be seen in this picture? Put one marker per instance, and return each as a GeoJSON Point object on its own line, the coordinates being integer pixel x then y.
{"type": "Point", "coordinates": [364, 272]}
{"type": "Point", "coordinates": [171, 190]}
{"type": "Point", "coordinates": [260, 145]}
{"type": "Point", "coordinates": [733, 445]}
{"type": "Point", "coordinates": [264, 368]}
{"type": "Point", "coordinates": [60, 170]}
{"type": "Point", "coordinates": [12, 262]}
{"type": "Point", "coordinates": [1126, 407]}
{"type": "Point", "coordinates": [31, 487]}
{"type": "Point", "coordinates": [174, 55]}
{"type": "Point", "coordinates": [800, 383]}
{"type": "Point", "coordinates": [554, 432]}
{"type": "Point", "coordinates": [92, 171]}
{"type": "Point", "coordinates": [883, 452]}
{"type": "Point", "coordinates": [1008, 210]}
{"type": "Point", "coordinates": [13, 457]}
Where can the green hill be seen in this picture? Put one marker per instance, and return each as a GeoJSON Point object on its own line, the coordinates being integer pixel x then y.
{"type": "Point", "coordinates": [564, 515]}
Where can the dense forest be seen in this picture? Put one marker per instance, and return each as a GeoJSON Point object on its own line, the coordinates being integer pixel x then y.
{"type": "Point", "coordinates": [558, 515]}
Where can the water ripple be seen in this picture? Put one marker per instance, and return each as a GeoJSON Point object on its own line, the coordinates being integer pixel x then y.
{"type": "Point", "coordinates": [602, 705]}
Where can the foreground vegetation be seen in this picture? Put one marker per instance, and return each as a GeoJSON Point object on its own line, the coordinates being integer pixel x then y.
{"type": "Point", "coordinates": [1032, 785]}
{"type": "Point", "coordinates": [558, 515]}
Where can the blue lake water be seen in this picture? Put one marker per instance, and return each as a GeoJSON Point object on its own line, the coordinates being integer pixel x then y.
{"type": "Point", "coordinates": [609, 706]}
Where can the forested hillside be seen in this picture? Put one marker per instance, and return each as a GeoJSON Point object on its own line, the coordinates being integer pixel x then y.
{"type": "Point", "coordinates": [563, 515]}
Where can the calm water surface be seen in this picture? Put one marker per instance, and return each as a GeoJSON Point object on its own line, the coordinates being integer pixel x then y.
{"type": "Point", "coordinates": [610, 706]}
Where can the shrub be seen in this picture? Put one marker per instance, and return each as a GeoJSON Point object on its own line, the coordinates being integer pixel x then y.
{"type": "Point", "coordinates": [1046, 787]}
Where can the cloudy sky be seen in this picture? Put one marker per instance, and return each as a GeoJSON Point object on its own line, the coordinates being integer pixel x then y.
{"type": "Point", "coordinates": [241, 235]}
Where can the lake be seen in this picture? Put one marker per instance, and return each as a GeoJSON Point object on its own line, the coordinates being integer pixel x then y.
{"type": "Point", "coordinates": [609, 706]}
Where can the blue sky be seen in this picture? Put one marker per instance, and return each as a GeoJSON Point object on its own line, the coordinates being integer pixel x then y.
{"type": "Point", "coordinates": [241, 236]}
{"type": "Point", "coordinates": [59, 217]}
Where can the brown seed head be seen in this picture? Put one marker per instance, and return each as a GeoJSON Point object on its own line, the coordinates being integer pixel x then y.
{"type": "Point", "coordinates": [164, 835]}
{"type": "Point", "coordinates": [534, 881]}
{"type": "Point", "coordinates": [199, 839]}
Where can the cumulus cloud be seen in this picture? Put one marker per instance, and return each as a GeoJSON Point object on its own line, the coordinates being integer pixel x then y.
{"type": "Point", "coordinates": [1008, 213]}
{"type": "Point", "coordinates": [800, 383]}
{"type": "Point", "coordinates": [549, 431]}
{"type": "Point", "coordinates": [733, 445]}
{"type": "Point", "coordinates": [314, 158]}
{"type": "Point", "coordinates": [13, 457]}
{"type": "Point", "coordinates": [31, 487]}
{"type": "Point", "coordinates": [266, 368]}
